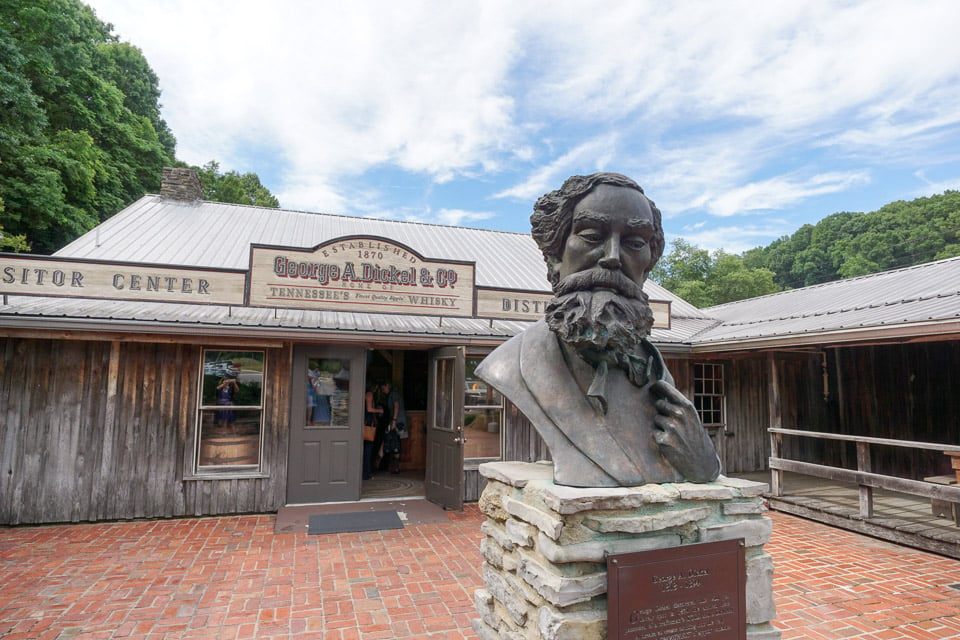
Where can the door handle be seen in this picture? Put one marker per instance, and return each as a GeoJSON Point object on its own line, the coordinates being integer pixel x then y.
{"type": "Point", "coordinates": [459, 440]}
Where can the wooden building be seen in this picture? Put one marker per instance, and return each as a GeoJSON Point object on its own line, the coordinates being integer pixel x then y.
{"type": "Point", "coordinates": [196, 358]}
{"type": "Point", "coordinates": [874, 356]}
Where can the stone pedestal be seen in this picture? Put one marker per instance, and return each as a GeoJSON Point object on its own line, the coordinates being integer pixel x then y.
{"type": "Point", "coordinates": [546, 546]}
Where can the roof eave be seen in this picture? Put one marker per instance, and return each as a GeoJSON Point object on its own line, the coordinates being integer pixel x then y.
{"type": "Point", "coordinates": [222, 333]}
{"type": "Point", "coordinates": [914, 330]}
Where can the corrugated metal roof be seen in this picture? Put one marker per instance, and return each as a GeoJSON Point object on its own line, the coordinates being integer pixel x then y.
{"type": "Point", "coordinates": [153, 317]}
{"type": "Point", "coordinates": [915, 295]}
{"type": "Point", "coordinates": [215, 235]}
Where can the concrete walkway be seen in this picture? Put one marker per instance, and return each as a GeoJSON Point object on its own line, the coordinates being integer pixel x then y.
{"type": "Point", "coordinates": [234, 577]}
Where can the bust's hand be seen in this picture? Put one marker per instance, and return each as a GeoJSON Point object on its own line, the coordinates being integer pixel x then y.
{"type": "Point", "coordinates": [681, 437]}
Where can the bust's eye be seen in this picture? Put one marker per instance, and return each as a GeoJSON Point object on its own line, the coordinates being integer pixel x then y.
{"type": "Point", "coordinates": [634, 243]}
{"type": "Point", "coordinates": [590, 235]}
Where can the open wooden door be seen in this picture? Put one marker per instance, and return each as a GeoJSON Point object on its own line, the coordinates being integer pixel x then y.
{"type": "Point", "coordinates": [444, 478]}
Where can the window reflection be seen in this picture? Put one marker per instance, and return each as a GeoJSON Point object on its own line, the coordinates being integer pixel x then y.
{"type": "Point", "coordinates": [444, 399]}
{"type": "Point", "coordinates": [328, 392]}
{"type": "Point", "coordinates": [482, 411]}
{"type": "Point", "coordinates": [230, 415]}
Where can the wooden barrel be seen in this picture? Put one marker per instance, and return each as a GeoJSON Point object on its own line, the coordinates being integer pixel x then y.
{"type": "Point", "coordinates": [229, 450]}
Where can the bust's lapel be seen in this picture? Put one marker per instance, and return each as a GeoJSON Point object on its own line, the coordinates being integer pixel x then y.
{"type": "Point", "coordinates": [549, 380]}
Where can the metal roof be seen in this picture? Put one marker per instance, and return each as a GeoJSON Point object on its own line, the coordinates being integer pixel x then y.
{"type": "Point", "coordinates": [76, 314]}
{"type": "Point", "coordinates": [157, 230]}
{"type": "Point", "coordinates": [215, 235]}
{"type": "Point", "coordinates": [914, 301]}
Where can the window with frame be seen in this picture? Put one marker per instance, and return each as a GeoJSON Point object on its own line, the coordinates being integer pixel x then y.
{"type": "Point", "coordinates": [230, 414]}
{"type": "Point", "coordinates": [482, 415]}
{"type": "Point", "coordinates": [708, 393]}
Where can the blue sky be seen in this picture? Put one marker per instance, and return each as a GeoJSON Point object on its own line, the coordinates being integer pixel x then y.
{"type": "Point", "coordinates": [742, 120]}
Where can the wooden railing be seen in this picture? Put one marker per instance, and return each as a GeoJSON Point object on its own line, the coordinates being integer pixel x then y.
{"type": "Point", "coordinates": [866, 480]}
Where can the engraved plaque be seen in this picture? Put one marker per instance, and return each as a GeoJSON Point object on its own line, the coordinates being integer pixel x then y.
{"type": "Point", "coordinates": [692, 592]}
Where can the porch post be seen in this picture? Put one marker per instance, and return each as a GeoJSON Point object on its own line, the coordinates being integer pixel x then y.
{"type": "Point", "coordinates": [776, 422]}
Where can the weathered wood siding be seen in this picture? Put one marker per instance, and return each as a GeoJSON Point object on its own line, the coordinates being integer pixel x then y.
{"type": "Point", "coordinates": [900, 391]}
{"type": "Point", "coordinates": [96, 430]}
{"type": "Point", "coordinates": [521, 442]}
{"type": "Point", "coordinates": [746, 444]}
{"type": "Point", "coordinates": [473, 483]}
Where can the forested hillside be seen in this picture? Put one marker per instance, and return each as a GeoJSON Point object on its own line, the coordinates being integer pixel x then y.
{"type": "Point", "coordinates": [842, 245]}
{"type": "Point", "coordinates": [81, 134]}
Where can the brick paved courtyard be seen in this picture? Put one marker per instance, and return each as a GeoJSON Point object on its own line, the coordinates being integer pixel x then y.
{"type": "Point", "coordinates": [233, 577]}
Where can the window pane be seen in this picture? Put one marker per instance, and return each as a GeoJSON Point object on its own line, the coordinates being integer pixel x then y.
{"type": "Point", "coordinates": [328, 392]}
{"type": "Point", "coordinates": [478, 392]}
{"type": "Point", "coordinates": [481, 428]}
{"type": "Point", "coordinates": [229, 438]}
{"type": "Point", "coordinates": [229, 420]}
{"type": "Point", "coordinates": [483, 408]}
{"type": "Point", "coordinates": [708, 393]}
{"type": "Point", "coordinates": [444, 401]}
{"type": "Point", "coordinates": [232, 378]}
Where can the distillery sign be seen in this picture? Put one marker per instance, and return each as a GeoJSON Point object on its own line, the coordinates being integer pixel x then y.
{"type": "Point", "coordinates": [45, 276]}
{"type": "Point", "coordinates": [355, 274]}
{"type": "Point", "coordinates": [360, 274]}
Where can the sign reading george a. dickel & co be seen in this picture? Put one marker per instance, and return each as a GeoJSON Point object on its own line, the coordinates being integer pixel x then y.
{"type": "Point", "coordinates": [360, 274]}
{"type": "Point", "coordinates": [357, 273]}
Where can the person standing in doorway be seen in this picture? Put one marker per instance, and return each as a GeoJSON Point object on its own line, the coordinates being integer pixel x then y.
{"type": "Point", "coordinates": [372, 415]}
{"type": "Point", "coordinates": [396, 429]}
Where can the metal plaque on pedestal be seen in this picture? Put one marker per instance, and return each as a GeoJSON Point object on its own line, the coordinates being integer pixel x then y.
{"type": "Point", "coordinates": [691, 592]}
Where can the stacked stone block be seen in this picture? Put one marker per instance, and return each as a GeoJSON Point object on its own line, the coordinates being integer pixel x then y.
{"type": "Point", "coordinates": [180, 183]}
{"type": "Point", "coordinates": [546, 545]}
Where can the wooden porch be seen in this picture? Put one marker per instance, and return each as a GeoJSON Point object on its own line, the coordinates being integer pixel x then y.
{"type": "Point", "coordinates": [897, 517]}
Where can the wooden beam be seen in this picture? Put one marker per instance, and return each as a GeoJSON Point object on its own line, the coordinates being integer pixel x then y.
{"type": "Point", "coordinates": [776, 422]}
{"type": "Point", "coordinates": [901, 485]}
{"type": "Point", "coordinates": [866, 491]}
{"type": "Point", "coordinates": [908, 444]}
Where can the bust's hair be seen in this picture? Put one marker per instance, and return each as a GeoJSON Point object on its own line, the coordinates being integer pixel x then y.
{"type": "Point", "coordinates": [552, 216]}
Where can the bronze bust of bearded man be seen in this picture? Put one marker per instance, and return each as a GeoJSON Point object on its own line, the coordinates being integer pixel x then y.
{"type": "Point", "coordinates": [585, 375]}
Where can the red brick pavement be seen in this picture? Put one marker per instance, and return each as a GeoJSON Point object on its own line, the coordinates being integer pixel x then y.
{"type": "Point", "coordinates": [232, 578]}
{"type": "Point", "coordinates": [831, 583]}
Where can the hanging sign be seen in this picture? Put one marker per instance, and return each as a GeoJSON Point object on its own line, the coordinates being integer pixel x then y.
{"type": "Point", "coordinates": [509, 304]}
{"type": "Point", "coordinates": [360, 273]}
{"type": "Point", "coordinates": [44, 276]}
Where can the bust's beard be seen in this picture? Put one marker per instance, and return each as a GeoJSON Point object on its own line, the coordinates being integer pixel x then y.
{"type": "Point", "coordinates": [600, 323]}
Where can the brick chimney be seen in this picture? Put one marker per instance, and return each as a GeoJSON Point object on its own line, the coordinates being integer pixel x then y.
{"type": "Point", "coordinates": [180, 184]}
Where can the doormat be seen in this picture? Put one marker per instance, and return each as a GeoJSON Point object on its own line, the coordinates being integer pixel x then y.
{"type": "Point", "coordinates": [358, 521]}
{"type": "Point", "coordinates": [413, 513]}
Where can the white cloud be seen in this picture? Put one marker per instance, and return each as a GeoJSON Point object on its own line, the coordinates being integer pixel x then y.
{"type": "Point", "coordinates": [596, 153]}
{"type": "Point", "coordinates": [938, 187]}
{"type": "Point", "coordinates": [461, 217]}
{"type": "Point", "coordinates": [781, 191]}
{"type": "Point", "coordinates": [697, 100]}
{"type": "Point", "coordinates": [737, 238]}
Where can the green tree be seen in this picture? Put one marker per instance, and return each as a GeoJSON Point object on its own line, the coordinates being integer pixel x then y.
{"type": "Point", "coordinates": [848, 244]}
{"type": "Point", "coordinates": [684, 262]}
{"type": "Point", "coordinates": [234, 187]}
{"type": "Point", "coordinates": [731, 280]}
{"type": "Point", "coordinates": [73, 151]}
{"type": "Point", "coordinates": [123, 65]}
{"type": "Point", "coordinates": [15, 244]}
{"type": "Point", "coordinates": [705, 279]}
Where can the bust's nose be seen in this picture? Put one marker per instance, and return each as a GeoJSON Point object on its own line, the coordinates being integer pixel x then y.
{"type": "Point", "coordinates": [611, 253]}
